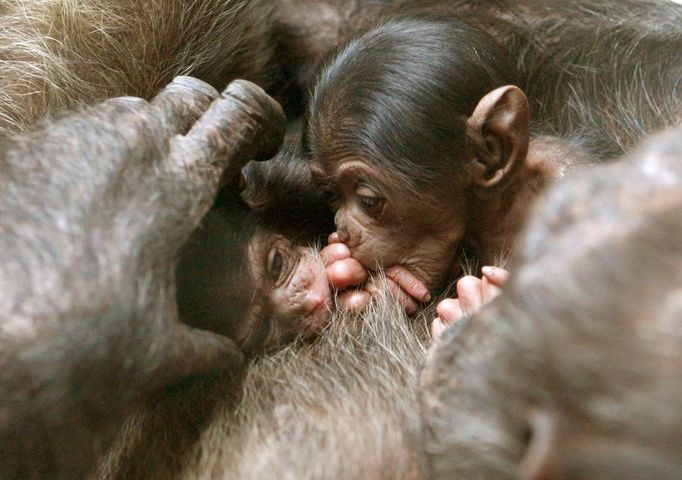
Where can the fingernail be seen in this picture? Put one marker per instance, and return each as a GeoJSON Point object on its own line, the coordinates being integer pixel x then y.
{"type": "Point", "coordinates": [427, 297]}
{"type": "Point", "coordinates": [489, 271]}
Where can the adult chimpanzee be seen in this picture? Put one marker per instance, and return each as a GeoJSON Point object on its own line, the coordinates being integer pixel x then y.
{"type": "Point", "coordinates": [574, 371]}
{"type": "Point", "coordinates": [94, 208]}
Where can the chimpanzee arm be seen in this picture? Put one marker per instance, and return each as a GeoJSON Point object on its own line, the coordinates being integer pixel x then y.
{"type": "Point", "coordinates": [93, 209]}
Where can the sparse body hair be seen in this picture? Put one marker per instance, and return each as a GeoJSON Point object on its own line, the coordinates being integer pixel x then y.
{"type": "Point", "coordinates": [60, 54]}
{"type": "Point", "coordinates": [342, 408]}
{"type": "Point", "coordinates": [617, 80]}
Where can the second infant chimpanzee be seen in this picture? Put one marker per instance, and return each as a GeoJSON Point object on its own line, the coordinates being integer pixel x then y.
{"type": "Point", "coordinates": [423, 143]}
{"type": "Point", "coordinates": [251, 271]}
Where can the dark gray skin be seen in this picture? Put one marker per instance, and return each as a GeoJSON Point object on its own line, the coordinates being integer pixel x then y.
{"type": "Point", "coordinates": [573, 373]}
{"type": "Point", "coordinates": [93, 210]}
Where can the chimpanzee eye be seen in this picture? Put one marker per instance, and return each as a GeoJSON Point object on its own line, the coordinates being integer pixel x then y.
{"type": "Point", "coordinates": [331, 197]}
{"type": "Point", "coordinates": [275, 264]}
{"type": "Point", "coordinates": [369, 200]}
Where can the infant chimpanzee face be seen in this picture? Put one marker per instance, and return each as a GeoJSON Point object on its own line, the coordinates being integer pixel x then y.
{"type": "Point", "coordinates": [244, 280]}
{"type": "Point", "coordinates": [385, 223]}
{"type": "Point", "coordinates": [414, 128]}
{"type": "Point", "coordinates": [291, 295]}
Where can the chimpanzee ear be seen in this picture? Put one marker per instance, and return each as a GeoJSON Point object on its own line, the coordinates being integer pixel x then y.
{"type": "Point", "coordinates": [541, 447]}
{"type": "Point", "coordinates": [501, 122]}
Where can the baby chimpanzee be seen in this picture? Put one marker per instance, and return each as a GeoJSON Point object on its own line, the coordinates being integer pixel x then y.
{"type": "Point", "coordinates": [252, 271]}
{"type": "Point", "coordinates": [422, 141]}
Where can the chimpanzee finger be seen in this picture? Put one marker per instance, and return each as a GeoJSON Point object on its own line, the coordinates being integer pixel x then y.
{"type": "Point", "coordinates": [131, 103]}
{"type": "Point", "coordinates": [187, 351]}
{"type": "Point", "coordinates": [243, 124]}
{"type": "Point", "coordinates": [409, 282]}
{"type": "Point", "coordinates": [437, 327]}
{"type": "Point", "coordinates": [496, 276]}
{"type": "Point", "coordinates": [181, 103]}
{"type": "Point", "coordinates": [404, 299]}
{"type": "Point", "coordinates": [353, 300]}
{"type": "Point", "coordinates": [346, 273]}
{"type": "Point", "coordinates": [334, 252]}
{"type": "Point", "coordinates": [469, 294]}
{"type": "Point", "coordinates": [333, 238]}
{"type": "Point", "coordinates": [449, 310]}
{"type": "Point", "coordinates": [338, 237]}
{"type": "Point", "coordinates": [488, 290]}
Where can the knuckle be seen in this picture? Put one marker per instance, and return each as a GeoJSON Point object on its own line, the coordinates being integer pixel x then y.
{"type": "Point", "coordinates": [132, 103]}
{"type": "Point", "coordinates": [184, 83]}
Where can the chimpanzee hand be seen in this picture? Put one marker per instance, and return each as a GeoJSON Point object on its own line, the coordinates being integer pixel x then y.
{"type": "Point", "coordinates": [343, 272]}
{"type": "Point", "coordinates": [93, 209]}
{"type": "Point", "coordinates": [472, 294]}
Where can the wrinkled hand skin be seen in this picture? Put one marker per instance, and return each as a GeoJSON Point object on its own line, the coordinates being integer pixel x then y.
{"type": "Point", "coordinates": [357, 286]}
{"type": "Point", "coordinates": [93, 209]}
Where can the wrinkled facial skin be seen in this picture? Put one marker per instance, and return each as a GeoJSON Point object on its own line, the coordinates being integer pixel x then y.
{"type": "Point", "coordinates": [292, 297]}
{"type": "Point", "coordinates": [384, 224]}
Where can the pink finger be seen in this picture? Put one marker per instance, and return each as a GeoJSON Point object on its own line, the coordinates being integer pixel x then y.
{"type": "Point", "coordinates": [346, 273]}
{"type": "Point", "coordinates": [490, 291]}
{"type": "Point", "coordinates": [409, 282]}
{"type": "Point", "coordinates": [406, 301]}
{"type": "Point", "coordinates": [334, 252]}
{"type": "Point", "coordinates": [449, 311]}
{"type": "Point", "coordinates": [353, 300]}
{"type": "Point", "coordinates": [437, 328]}
{"type": "Point", "coordinates": [469, 294]}
{"type": "Point", "coordinates": [496, 276]}
{"type": "Point", "coordinates": [334, 238]}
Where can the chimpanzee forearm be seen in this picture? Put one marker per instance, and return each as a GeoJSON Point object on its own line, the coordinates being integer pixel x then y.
{"type": "Point", "coordinates": [93, 211]}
